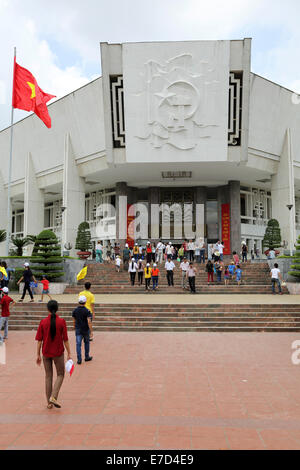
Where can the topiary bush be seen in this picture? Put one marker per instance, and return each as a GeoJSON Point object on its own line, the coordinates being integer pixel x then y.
{"type": "Point", "coordinates": [47, 256]}
{"type": "Point", "coordinates": [296, 266]}
{"type": "Point", "coordinates": [83, 239]}
{"type": "Point", "coordinates": [272, 238]}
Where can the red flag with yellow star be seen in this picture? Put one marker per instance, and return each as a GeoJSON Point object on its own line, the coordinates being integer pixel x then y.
{"type": "Point", "coordinates": [27, 95]}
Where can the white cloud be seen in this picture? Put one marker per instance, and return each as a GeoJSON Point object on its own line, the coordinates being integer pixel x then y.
{"type": "Point", "coordinates": [41, 30]}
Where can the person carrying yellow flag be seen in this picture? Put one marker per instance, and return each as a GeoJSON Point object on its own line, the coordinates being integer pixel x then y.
{"type": "Point", "coordinates": [82, 273]}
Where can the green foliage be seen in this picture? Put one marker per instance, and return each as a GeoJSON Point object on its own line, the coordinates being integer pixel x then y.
{"type": "Point", "coordinates": [19, 243]}
{"type": "Point", "coordinates": [47, 256]}
{"type": "Point", "coordinates": [2, 236]}
{"type": "Point", "coordinates": [296, 266]}
{"type": "Point", "coordinates": [83, 239]}
{"type": "Point", "coordinates": [272, 238]}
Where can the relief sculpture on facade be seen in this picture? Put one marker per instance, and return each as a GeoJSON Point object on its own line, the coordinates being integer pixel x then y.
{"type": "Point", "coordinates": [173, 95]}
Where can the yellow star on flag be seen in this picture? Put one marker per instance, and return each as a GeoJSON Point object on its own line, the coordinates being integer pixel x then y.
{"type": "Point", "coordinates": [32, 87]}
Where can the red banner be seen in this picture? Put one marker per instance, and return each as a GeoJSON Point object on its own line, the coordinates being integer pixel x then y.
{"type": "Point", "coordinates": [130, 229]}
{"type": "Point", "coordinates": [226, 228]}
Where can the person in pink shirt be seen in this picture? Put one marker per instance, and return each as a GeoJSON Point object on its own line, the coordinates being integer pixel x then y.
{"type": "Point", "coordinates": [235, 258]}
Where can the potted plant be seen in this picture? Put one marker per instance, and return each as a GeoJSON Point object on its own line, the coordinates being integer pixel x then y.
{"type": "Point", "coordinates": [83, 240]}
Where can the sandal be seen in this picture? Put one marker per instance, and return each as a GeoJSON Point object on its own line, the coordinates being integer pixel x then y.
{"type": "Point", "coordinates": [54, 402]}
{"type": "Point", "coordinates": [50, 406]}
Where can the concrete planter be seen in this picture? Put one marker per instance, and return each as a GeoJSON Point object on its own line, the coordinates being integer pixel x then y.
{"type": "Point", "coordinates": [293, 288]}
{"type": "Point", "coordinates": [55, 288]}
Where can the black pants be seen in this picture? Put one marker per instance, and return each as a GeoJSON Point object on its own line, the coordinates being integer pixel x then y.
{"type": "Point", "coordinates": [170, 278]}
{"type": "Point", "coordinates": [149, 257]}
{"type": "Point", "coordinates": [27, 288]}
{"type": "Point", "coordinates": [140, 277]}
{"type": "Point", "coordinates": [132, 278]}
{"type": "Point", "coordinates": [191, 255]}
{"type": "Point", "coordinates": [147, 282]}
{"type": "Point", "coordinates": [192, 283]}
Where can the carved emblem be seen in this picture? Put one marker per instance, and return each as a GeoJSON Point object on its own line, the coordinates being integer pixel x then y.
{"type": "Point", "coordinates": [174, 92]}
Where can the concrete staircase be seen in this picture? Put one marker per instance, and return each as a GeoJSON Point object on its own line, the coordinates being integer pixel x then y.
{"type": "Point", "coordinates": [162, 317]}
{"type": "Point", "coordinates": [105, 280]}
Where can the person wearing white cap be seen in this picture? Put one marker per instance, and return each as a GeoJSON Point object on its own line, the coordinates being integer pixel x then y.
{"type": "Point", "coordinates": [136, 251]}
{"type": "Point", "coordinates": [132, 269]}
{"type": "Point", "coordinates": [155, 275]}
{"type": "Point", "coordinates": [27, 277]}
{"type": "Point", "coordinates": [5, 305]}
{"type": "Point", "coordinates": [244, 251]}
{"type": "Point", "coordinates": [126, 256]}
{"type": "Point", "coordinates": [82, 319]}
{"type": "Point", "coordinates": [147, 272]}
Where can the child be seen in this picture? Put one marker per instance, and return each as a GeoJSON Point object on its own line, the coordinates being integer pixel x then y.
{"type": "Point", "coordinates": [155, 275]}
{"type": "Point", "coordinates": [4, 302]}
{"type": "Point", "coordinates": [235, 258]}
{"type": "Point", "coordinates": [118, 263]}
{"type": "Point", "coordinates": [231, 269]}
{"type": "Point", "coordinates": [45, 290]}
{"type": "Point", "coordinates": [33, 285]}
{"type": "Point", "coordinates": [226, 276]}
{"type": "Point", "coordinates": [238, 273]}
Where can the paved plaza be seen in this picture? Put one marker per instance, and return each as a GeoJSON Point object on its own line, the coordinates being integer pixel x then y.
{"type": "Point", "coordinates": [157, 391]}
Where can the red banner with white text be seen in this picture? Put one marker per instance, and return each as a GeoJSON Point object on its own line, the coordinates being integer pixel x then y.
{"type": "Point", "coordinates": [226, 228]}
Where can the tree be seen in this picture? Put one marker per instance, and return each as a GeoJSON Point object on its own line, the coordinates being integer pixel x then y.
{"type": "Point", "coordinates": [83, 239]}
{"type": "Point", "coordinates": [47, 256]}
{"type": "Point", "coordinates": [296, 266]}
{"type": "Point", "coordinates": [2, 236]}
{"type": "Point", "coordinates": [272, 238]}
{"type": "Point", "coordinates": [20, 243]}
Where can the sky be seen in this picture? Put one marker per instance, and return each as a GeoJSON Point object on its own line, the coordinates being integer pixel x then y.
{"type": "Point", "coordinates": [58, 40]}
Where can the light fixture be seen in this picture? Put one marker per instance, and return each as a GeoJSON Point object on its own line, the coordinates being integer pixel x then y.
{"type": "Point", "coordinates": [63, 208]}
{"type": "Point", "coordinates": [289, 206]}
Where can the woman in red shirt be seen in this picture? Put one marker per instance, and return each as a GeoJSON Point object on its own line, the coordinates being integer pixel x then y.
{"type": "Point", "coordinates": [52, 334]}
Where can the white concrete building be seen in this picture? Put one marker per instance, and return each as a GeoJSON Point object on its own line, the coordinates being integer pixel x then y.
{"type": "Point", "coordinates": [183, 122]}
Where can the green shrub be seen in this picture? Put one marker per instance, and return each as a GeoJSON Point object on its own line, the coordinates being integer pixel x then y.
{"type": "Point", "coordinates": [83, 239]}
{"type": "Point", "coordinates": [296, 266]}
{"type": "Point", "coordinates": [272, 238]}
{"type": "Point", "coordinates": [47, 256]}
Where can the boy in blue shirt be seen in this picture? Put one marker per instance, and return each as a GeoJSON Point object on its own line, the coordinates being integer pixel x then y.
{"type": "Point", "coordinates": [238, 273]}
{"type": "Point", "coordinates": [231, 269]}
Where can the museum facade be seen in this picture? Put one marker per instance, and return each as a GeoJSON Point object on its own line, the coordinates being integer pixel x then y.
{"type": "Point", "coordinates": [183, 126]}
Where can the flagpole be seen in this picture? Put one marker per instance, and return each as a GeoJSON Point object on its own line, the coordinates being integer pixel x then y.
{"type": "Point", "coordinates": [8, 231]}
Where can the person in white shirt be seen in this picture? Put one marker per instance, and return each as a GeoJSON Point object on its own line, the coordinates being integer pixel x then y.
{"type": "Point", "coordinates": [118, 263]}
{"type": "Point", "coordinates": [184, 266]}
{"type": "Point", "coordinates": [132, 269]}
{"type": "Point", "coordinates": [169, 249]}
{"type": "Point", "coordinates": [220, 248]}
{"type": "Point", "coordinates": [191, 249]}
{"type": "Point", "coordinates": [169, 266]}
{"type": "Point", "coordinates": [159, 252]}
{"type": "Point", "coordinates": [191, 276]}
{"type": "Point", "coordinates": [275, 276]}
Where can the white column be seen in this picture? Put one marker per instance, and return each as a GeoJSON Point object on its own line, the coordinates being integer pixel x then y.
{"type": "Point", "coordinates": [73, 197]}
{"type": "Point", "coordinates": [33, 201]}
{"type": "Point", "coordinates": [3, 213]}
{"type": "Point", "coordinates": [283, 193]}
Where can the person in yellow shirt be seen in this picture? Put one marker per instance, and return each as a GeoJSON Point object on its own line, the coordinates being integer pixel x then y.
{"type": "Point", "coordinates": [147, 272]}
{"type": "Point", "coordinates": [90, 301]}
